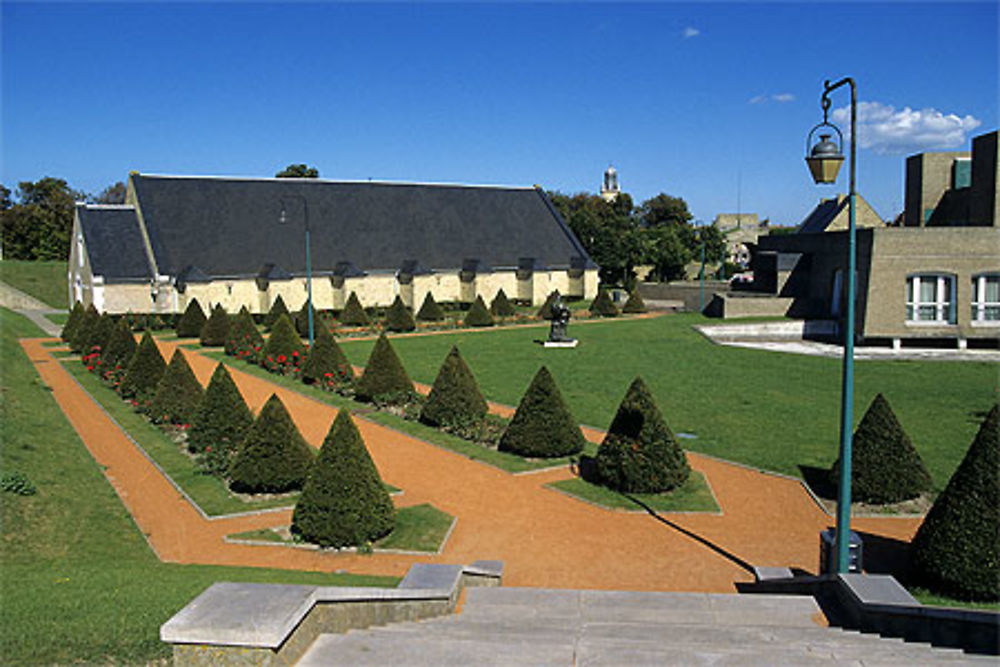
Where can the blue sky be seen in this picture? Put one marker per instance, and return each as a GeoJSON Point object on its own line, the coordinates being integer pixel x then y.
{"type": "Point", "coordinates": [708, 101]}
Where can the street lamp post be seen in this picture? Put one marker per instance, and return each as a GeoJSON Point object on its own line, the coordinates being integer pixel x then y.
{"type": "Point", "coordinates": [701, 274]}
{"type": "Point", "coordinates": [824, 160]}
{"type": "Point", "coordinates": [309, 292]}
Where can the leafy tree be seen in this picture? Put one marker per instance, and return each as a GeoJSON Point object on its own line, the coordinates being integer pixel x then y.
{"type": "Point", "coordinates": [278, 308]}
{"type": "Point", "coordinates": [95, 340]}
{"type": "Point", "coordinates": [190, 323]}
{"type": "Point", "coordinates": [177, 394]}
{"type": "Point", "coordinates": [666, 249]}
{"type": "Point", "coordinates": [603, 305]}
{"type": "Point", "coordinates": [220, 421]}
{"type": "Point", "coordinates": [39, 226]}
{"type": "Point", "coordinates": [80, 340]}
{"type": "Point", "coordinates": [430, 311]}
{"type": "Point", "coordinates": [113, 194]}
{"type": "Point", "coordinates": [957, 549]}
{"type": "Point", "coordinates": [501, 305]}
{"type": "Point", "coordinates": [326, 364]}
{"type": "Point", "coordinates": [273, 458]}
{"type": "Point", "coordinates": [455, 398]}
{"type": "Point", "coordinates": [72, 322]}
{"type": "Point", "coordinates": [298, 171]}
{"type": "Point", "coordinates": [144, 371]}
{"type": "Point", "coordinates": [244, 340]}
{"type": "Point", "coordinates": [213, 333]}
{"type": "Point", "coordinates": [885, 467]}
{"type": "Point", "coordinates": [609, 232]}
{"type": "Point", "coordinates": [384, 379]}
{"type": "Point", "coordinates": [664, 211]}
{"type": "Point", "coordinates": [398, 317]}
{"type": "Point", "coordinates": [545, 312]}
{"type": "Point", "coordinates": [283, 350]}
{"type": "Point", "coordinates": [353, 314]}
{"type": "Point", "coordinates": [543, 426]}
{"type": "Point", "coordinates": [635, 304]}
{"type": "Point", "coordinates": [302, 320]}
{"type": "Point", "coordinates": [640, 453]}
{"type": "Point", "coordinates": [343, 502]}
{"type": "Point", "coordinates": [119, 350]}
{"type": "Point", "coordinates": [478, 315]}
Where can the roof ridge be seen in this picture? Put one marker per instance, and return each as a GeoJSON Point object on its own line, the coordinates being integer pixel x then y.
{"type": "Point", "coordinates": [102, 206]}
{"type": "Point", "coordinates": [526, 188]}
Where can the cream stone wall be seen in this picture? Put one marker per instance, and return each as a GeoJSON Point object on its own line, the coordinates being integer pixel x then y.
{"type": "Point", "coordinates": [444, 286]}
{"type": "Point", "coordinates": [488, 285]}
{"type": "Point", "coordinates": [377, 289]}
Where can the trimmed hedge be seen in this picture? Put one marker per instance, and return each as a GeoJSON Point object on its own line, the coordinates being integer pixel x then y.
{"type": "Point", "coordinates": [398, 317]}
{"type": "Point", "coordinates": [478, 315]}
{"type": "Point", "coordinates": [957, 549]}
{"type": "Point", "coordinates": [543, 426]}
{"type": "Point", "coordinates": [82, 331]}
{"type": "Point", "coordinates": [278, 308]}
{"type": "Point", "coordinates": [283, 351]}
{"type": "Point", "coordinates": [343, 502]}
{"type": "Point", "coordinates": [455, 398]}
{"type": "Point", "coordinates": [96, 337]}
{"type": "Point", "coordinates": [501, 305]}
{"type": "Point", "coordinates": [144, 371]}
{"type": "Point", "coordinates": [220, 421]}
{"type": "Point", "coordinates": [326, 363]}
{"type": "Point", "coordinates": [119, 350]}
{"type": "Point", "coordinates": [244, 340]}
{"type": "Point", "coordinates": [216, 328]}
{"type": "Point", "coordinates": [885, 467]}
{"type": "Point", "coordinates": [635, 304]}
{"type": "Point", "coordinates": [177, 394]}
{"type": "Point", "coordinates": [640, 453]}
{"type": "Point", "coordinates": [302, 321]}
{"type": "Point", "coordinates": [430, 310]}
{"type": "Point", "coordinates": [273, 458]}
{"type": "Point", "coordinates": [603, 305]}
{"type": "Point", "coordinates": [545, 312]}
{"type": "Point", "coordinates": [72, 322]}
{"type": "Point", "coordinates": [384, 379]}
{"type": "Point", "coordinates": [190, 323]}
{"type": "Point", "coordinates": [353, 314]}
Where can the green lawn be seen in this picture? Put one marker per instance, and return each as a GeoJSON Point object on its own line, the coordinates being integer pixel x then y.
{"type": "Point", "coordinates": [78, 582]}
{"type": "Point", "coordinates": [693, 496]}
{"type": "Point", "coordinates": [769, 410]}
{"type": "Point", "coordinates": [46, 281]}
{"type": "Point", "coordinates": [934, 600]}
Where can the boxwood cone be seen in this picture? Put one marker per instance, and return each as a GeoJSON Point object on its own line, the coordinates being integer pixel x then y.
{"type": "Point", "coordinates": [545, 312]}
{"type": "Point", "coordinates": [273, 458]}
{"type": "Point", "coordinates": [501, 305]}
{"type": "Point", "coordinates": [455, 397]}
{"type": "Point", "coordinates": [222, 417]}
{"type": "Point", "coordinates": [635, 304]}
{"type": "Point", "coordinates": [543, 426]}
{"type": "Point", "coordinates": [353, 314]}
{"type": "Point", "coordinates": [244, 340]}
{"type": "Point", "coordinates": [384, 377]}
{"type": "Point", "coordinates": [81, 333]}
{"type": "Point", "coordinates": [478, 315]}
{"type": "Point", "coordinates": [344, 502]}
{"type": "Point", "coordinates": [120, 348]}
{"type": "Point", "coordinates": [278, 308]}
{"type": "Point", "coordinates": [177, 395]}
{"type": "Point", "coordinates": [283, 349]}
{"type": "Point", "coordinates": [144, 370]}
{"type": "Point", "coordinates": [302, 321]}
{"type": "Point", "coordinates": [398, 317]}
{"type": "Point", "coordinates": [603, 305]}
{"type": "Point", "coordinates": [190, 323]}
{"type": "Point", "coordinates": [72, 322]}
{"type": "Point", "coordinates": [430, 311]}
{"type": "Point", "coordinates": [326, 361]}
{"type": "Point", "coordinates": [216, 328]}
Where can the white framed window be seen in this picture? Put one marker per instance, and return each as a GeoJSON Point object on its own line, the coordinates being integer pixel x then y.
{"type": "Point", "coordinates": [986, 298]}
{"type": "Point", "coordinates": [930, 298]}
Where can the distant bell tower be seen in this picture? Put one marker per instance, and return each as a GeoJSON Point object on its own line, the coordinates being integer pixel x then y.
{"type": "Point", "coordinates": [610, 189]}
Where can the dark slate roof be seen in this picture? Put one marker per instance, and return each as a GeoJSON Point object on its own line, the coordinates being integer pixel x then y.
{"type": "Point", "coordinates": [230, 227]}
{"type": "Point", "coordinates": [114, 243]}
{"type": "Point", "coordinates": [821, 216]}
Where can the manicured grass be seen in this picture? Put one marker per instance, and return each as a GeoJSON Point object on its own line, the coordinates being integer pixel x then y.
{"type": "Point", "coordinates": [769, 410]}
{"type": "Point", "coordinates": [58, 318]}
{"type": "Point", "coordinates": [693, 496]}
{"type": "Point", "coordinates": [207, 491]}
{"type": "Point", "coordinates": [46, 281]}
{"type": "Point", "coordinates": [262, 535]}
{"type": "Point", "coordinates": [78, 582]}
{"type": "Point", "coordinates": [934, 600]}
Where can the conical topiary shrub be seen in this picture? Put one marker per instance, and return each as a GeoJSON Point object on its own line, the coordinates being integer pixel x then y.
{"type": "Point", "coordinates": [326, 364]}
{"type": "Point", "coordinates": [283, 351]}
{"type": "Point", "coordinates": [885, 467]}
{"type": "Point", "coordinates": [95, 338]}
{"type": "Point", "coordinates": [501, 305]}
{"type": "Point", "coordinates": [216, 328]}
{"type": "Point", "coordinates": [603, 305]}
{"type": "Point", "coordinates": [244, 340]}
{"type": "Point", "coordinates": [384, 380]}
{"type": "Point", "coordinates": [82, 332]}
{"type": "Point", "coordinates": [957, 549]}
{"type": "Point", "coordinates": [353, 315]}
{"type": "Point", "coordinates": [545, 312]}
{"type": "Point", "coordinates": [177, 394]}
{"type": "Point", "coordinates": [190, 323]}
{"type": "Point", "coordinates": [117, 353]}
{"type": "Point", "coordinates": [72, 322]}
{"type": "Point", "coordinates": [220, 422]}
{"type": "Point", "coordinates": [273, 458]}
{"type": "Point", "coordinates": [635, 304]}
{"type": "Point", "coordinates": [640, 454]}
{"type": "Point", "coordinates": [430, 311]}
{"type": "Point", "coordinates": [543, 426]}
{"type": "Point", "coordinates": [455, 398]}
{"type": "Point", "coordinates": [144, 371]}
{"type": "Point", "coordinates": [398, 317]}
{"type": "Point", "coordinates": [343, 502]}
{"type": "Point", "coordinates": [278, 308]}
{"type": "Point", "coordinates": [478, 315]}
{"type": "Point", "coordinates": [302, 321]}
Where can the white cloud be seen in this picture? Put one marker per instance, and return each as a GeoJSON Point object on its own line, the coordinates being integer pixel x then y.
{"type": "Point", "coordinates": [783, 97]}
{"type": "Point", "coordinates": [885, 130]}
{"type": "Point", "coordinates": [758, 99]}
{"type": "Point", "coordinates": [690, 32]}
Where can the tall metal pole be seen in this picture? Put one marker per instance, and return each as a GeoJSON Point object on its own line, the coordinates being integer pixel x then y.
{"type": "Point", "coordinates": [847, 380]}
{"type": "Point", "coordinates": [701, 274]}
{"type": "Point", "coordinates": [309, 291]}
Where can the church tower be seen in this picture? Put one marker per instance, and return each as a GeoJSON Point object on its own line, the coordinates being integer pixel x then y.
{"type": "Point", "coordinates": [610, 189]}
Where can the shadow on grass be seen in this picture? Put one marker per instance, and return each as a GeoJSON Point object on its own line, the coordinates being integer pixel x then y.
{"type": "Point", "coordinates": [587, 469]}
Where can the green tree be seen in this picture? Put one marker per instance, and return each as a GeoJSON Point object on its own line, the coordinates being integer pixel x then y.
{"type": "Point", "coordinates": [177, 394]}
{"type": "Point", "coordinates": [344, 502]}
{"type": "Point", "coordinates": [80, 340]}
{"type": "Point", "coordinates": [326, 364]}
{"type": "Point", "coordinates": [430, 311]}
{"type": "Point", "coordinates": [609, 231]}
{"type": "Point", "coordinates": [72, 322]}
{"type": "Point", "coordinates": [302, 320]}
{"type": "Point", "coordinates": [635, 304]}
{"type": "Point", "coordinates": [144, 371]}
{"type": "Point", "coordinates": [283, 351]}
{"type": "Point", "coordinates": [957, 549]}
{"type": "Point", "coordinates": [501, 305]}
{"type": "Point", "coordinates": [119, 350]}
{"type": "Point", "coordinates": [244, 340]}
{"type": "Point", "coordinates": [664, 210]}
{"type": "Point", "coordinates": [220, 421]}
{"type": "Point", "coordinates": [95, 340]}
{"type": "Point", "coordinates": [113, 194]}
{"type": "Point", "coordinates": [603, 305]}
{"type": "Point", "coordinates": [190, 323]}
{"type": "Point", "coordinates": [273, 458]}
{"type": "Point", "coordinates": [278, 308]}
{"type": "Point", "coordinates": [39, 225]}
{"type": "Point", "coordinates": [640, 453]}
{"type": "Point", "coordinates": [478, 315]}
{"type": "Point", "coordinates": [384, 380]}
{"type": "Point", "coordinates": [543, 426]}
{"type": "Point", "coordinates": [298, 171]}
{"type": "Point", "coordinates": [398, 317]}
{"type": "Point", "coordinates": [667, 250]}
{"type": "Point", "coordinates": [213, 333]}
{"type": "Point", "coordinates": [353, 314]}
{"type": "Point", "coordinates": [455, 398]}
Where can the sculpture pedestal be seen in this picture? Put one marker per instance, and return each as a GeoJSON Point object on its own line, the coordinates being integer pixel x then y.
{"type": "Point", "coordinates": [560, 343]}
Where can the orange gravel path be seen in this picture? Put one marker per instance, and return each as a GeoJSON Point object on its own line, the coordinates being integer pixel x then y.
{"type": "Point", "coordinates": [545, 538]}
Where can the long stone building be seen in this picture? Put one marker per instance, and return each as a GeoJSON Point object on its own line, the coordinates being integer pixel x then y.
{"type": "Point", "coordinates": [242, 242]}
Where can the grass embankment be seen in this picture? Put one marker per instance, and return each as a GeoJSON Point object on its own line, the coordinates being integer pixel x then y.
{"type": "Point", "coordinates": [46, 281]}
{"type": "Point", "coordinates": [769, 410]}
{"type": "Point", "coordinates": [78, 581]}
{"type": "Point", "coordinates": [693, 496]}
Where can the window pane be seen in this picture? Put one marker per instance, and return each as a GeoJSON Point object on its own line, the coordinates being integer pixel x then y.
{"type": "Point", "coordinates": [909, 312]}
{"type": "Point", "coordinates": [992, 289]}
{"type": "Point", "coordinates": [928, 287]}
{"type": "Point", "coordinates": [993, 313]}
{"type": "Point", "coordinates": [927, 313]}
{"type": "Point", "coordinates": [909, 290]}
